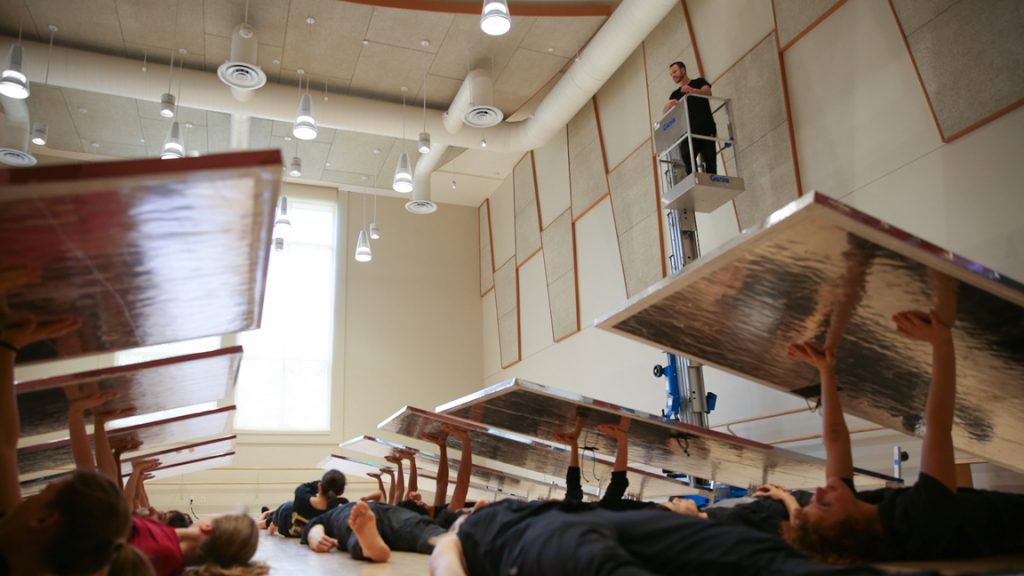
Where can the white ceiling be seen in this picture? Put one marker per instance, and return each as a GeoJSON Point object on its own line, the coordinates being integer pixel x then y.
{"type": "Point", "coordinates": [353, 48]}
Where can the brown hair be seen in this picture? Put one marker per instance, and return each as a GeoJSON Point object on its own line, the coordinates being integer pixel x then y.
{"type": "Point", "coordinates": [93, 522]}
{"type": "Point", "coordinates": [229, 548]}
{"type": "Point", "coordinates": [129, 561]}
{"type": "Point", "coordinates": [850, 540]}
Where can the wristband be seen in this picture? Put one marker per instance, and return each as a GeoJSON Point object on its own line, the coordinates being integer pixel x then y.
{"type": "Point", "coordinates": [9, 346]}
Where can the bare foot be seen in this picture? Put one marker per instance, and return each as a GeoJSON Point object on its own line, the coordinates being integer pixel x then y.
{"type": "Point", "coordinates": [363, 523]}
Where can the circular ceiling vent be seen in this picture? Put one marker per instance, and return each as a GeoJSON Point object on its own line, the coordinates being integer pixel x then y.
{"type": "Point", "coordinates": [241, 75]}
{"type": "Point", "coordinates": [483, 116]}
{"type": "Point", "coordinates": [421, 206]}
{"type": "Point", "coordinates": [13, 157]}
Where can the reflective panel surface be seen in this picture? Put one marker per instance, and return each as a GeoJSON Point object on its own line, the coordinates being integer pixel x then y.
{"type": "Point", "coordinates": [179, 454]}
{"type": "Point", "coordinates": [145, 388]}
{"type": "Point", "coordinates": [506, 480]}
{"type": "Point", "coordinates": [197, 465]}
{"type": "Point", "coordinates": [143, 252]}
{"type": "Point", "coordinates": [357, 469]}
{"type": "Point", "coordinates": [542, 411]}
{"type": "Point", "coordinates": [819, 270]}
{"type": "Point", "coordinates": [42, 459]}
{"type": "Point", "coordinates": [513, 449]}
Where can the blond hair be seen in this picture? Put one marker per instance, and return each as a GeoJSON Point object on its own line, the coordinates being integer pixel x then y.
{"type": "Point", "coordinates": [229, 548]}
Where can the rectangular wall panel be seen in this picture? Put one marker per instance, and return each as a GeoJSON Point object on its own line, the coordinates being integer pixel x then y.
{"type": "Point", "coordinates": [503, 222]}
{"type": "Point", "coordinates": [587, 176]}
{"type": "Point", "coordinates": [486, 258]}
{"type": "Point", "coordinates": [622, 109]}
{"type": "Point", "coordinates": [527, 222]}
{"type": "Point", "coordinates": [636, 209]}
{"type": "Point", "coordinates": [506, 293]}
{"type": "Point", "coordinates": [794, 16]}
{"type": "Point", "coordinates": [552, 164]}
{"type": "Point", "coordinates": [560, 270]}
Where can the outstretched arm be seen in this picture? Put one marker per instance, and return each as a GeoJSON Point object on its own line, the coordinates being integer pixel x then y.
{"type": "Point", "coordinates": [441, 487]}
{"type": "Point", "coordinates": [573, 488]}
{"type": "Point", "coordinates": [131, 489]}
{"type": "Point", "coordinates": [617, 488]}
{"type": "Point", "coordinates": [937, 459]}
{"type": "Point", "coordinates": [465, 469]}
{"type": "Point", "coordinates": [776, 492]}
{"type": "Point", "coordinates": [80, 448]}
{"type": "Point", "coordinates": [105, 457]}
{"type": "Point", "coordinates": [836, 436]}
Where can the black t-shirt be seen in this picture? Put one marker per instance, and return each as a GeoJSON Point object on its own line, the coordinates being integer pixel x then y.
{"type": "Point", "coordinates": [699, 108]}
{"type": "Point", "coordinates": [927, 521]}
{"type": "Point", "coordinates": [487, 533]}
{"type": "Point", "coordinates": [292, 519]}
{"type": "Point", "coordinates": [762, 514]}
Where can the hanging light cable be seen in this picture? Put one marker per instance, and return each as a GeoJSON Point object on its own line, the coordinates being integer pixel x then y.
{"type": "Point", "coordinates": [305, 124]}
{"type": "Point", "coordinates": [495, 19]}
{"type": "Point", "coordinates": [168, 105]}
{"type": "Point", "coordinates": [374, 229]}
{"type": "Point", "coordinates": [424, 139]}
{"type": "Point", "coordinates": [295, 166]}
{"type": "Point", "coordinates": [14, 82]}
{"type": "Point", "coordinates": [402, 182]}
{"type": "Point", "coordinates": [39, 129]}
{"type": "Point", "coordinates": [282, 226]}
{"type": "Point", "coordinates": [363, 252]}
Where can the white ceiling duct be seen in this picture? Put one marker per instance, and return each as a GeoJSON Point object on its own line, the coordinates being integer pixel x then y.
{"type": "Point", "coordinates": [425, 166]}
{"type": "Point", "coordinates": [17, 130]}
{"type": "Point", "coordinates": [473, 104]}
{"type": "Point", "coordinates": [624, 30]}
{"type": "Point", "coordinates": [241, 72]}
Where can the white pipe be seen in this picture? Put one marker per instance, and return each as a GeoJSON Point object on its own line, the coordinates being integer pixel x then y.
{"type": "Point", "coordinates": [624, 30]}
{"type": "Point", "coordinates": [425, 166]}
{"type": "Point", "coordinates": [240, 124]}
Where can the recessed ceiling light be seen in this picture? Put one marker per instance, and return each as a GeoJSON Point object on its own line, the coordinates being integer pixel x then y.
{"type": "Point", "coordinates": [425, 43]}
{"type": "Point", "coordinates": [275, 61]}
{"type": "Point", "coordinates": [82, 110]}
{"type": "Point", "coordinates": [366, 42]}
{"type": "Point", "coordinates": [182, 51]}
{"type": "Point", "coordinates": [287, 138]}
{"type": "Point", "coordinates": [376, 150]}
{"type": "Point", "coordinates": [365, 177]}
{"type": "Point", "coordinates": [550, 49]}
{"type": "Point", "coordinates": [328, 164]}
{"type": "Point", "coordinates": [188, 125]}
{"type": "Point", "coordinates": [310, 20]}
{"type": "Point", "coordinates": [142, 140]}
{"type": "Point", "coordinates": [193, 153]}
{"type": "Point", "coordinates": [94, 144]}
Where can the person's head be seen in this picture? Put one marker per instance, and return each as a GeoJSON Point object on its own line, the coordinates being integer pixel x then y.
{"type": "Point", "coordinates": [77, 523]}
{"type": "Point", "coordinates": [227, 546]}
{"type": "Point", "coordinates": [332, 484]}
{"type": "Point", "coordinates": [129, 561]}
{"type": "Point", "coordinates": [175, 519]}
{"type": "Point", "coordinates": [677, 70]}
{"type": "Point", "coordinates": [835, 527]}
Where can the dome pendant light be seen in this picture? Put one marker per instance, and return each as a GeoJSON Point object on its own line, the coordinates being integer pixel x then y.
{"type": "Point", "coordinates": [295, 167]}
{"type": "Point", "coordinates": [305, 125]}
{"type": "Point", "coordinates": [13, 82]}
{"type": "Point", "coordinates": [173, 146]}
{"type": "Point", "coordinates": [423, 145]}
{"type": "Point", "coordinates": [495, 19]}
{"type": "Point", "coordinates": [402, 182]}
{"type": "Point", "coordinates": [282, 226]}
{"type": "Point", "coordinates": [39, 133]}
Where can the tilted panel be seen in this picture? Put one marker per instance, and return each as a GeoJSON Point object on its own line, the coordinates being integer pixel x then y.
{"type": "Point", "coordinates": [145, 388]}
{"type": "Point", "coordinates": [540, 457]}
{"type": "Point", "coordinates": [818, 269]}
{"type": "Point", "coordinates": [185, 453]}
{"type": "Point", "coordinates": [144, 251]}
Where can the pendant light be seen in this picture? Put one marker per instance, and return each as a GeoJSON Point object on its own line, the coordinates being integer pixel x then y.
{"type": "Point", "coordinates": [495, 19]}
{"type": "Point", "coordinates": [282, 226]}
{"type": "Point", "coordinates": [363, 252]}
{"type": "Point", "coordinates": [40, 132]}
{"type": "Point", "coordinates": [374, 229]}
{"type": "Point", "coordinates": [424, 139]}
{"type": "Point", "coordinates": [168, 103]}
{"type": "Point", "coordinates": [173, 148]}
{"type": "Point", "coordinates": [305, 124]}
{"type": "Point", "coordinates": [14, 82]}
{"type": "Point", "coordinates": [402, 182]}
{"type": "Point", "coordinates": [295, 166]}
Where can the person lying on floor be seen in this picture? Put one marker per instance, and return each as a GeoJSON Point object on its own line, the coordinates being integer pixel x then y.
{"type": "Point", "coordinates": [311, 500]}
{"type": "Point", "coordinates": [544, 538]}
{"type": "Point", "coordinates": [217, 543]}
{"type": "Point", "coordinates": [371, 530]}
{"type": "Point", "coordinates": [931, 520]}
{"type": "Point", "coordinates": [444, 513]}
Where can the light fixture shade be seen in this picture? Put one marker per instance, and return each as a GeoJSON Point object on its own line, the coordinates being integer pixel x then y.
{"type": "Point", "coordinates": [363, 253]}
{"type": "Point", "coordinates": [13, 82]}
{"type": "Point", "coordinates": [174, 148]}
{"type": "Point", "coordinates": [374, 231]}
{"type": "Point", "coordinates": [403, 175]}
{"type": "Point", "coordinates": [305, 124]}
{"type": "Point", "coordinates": [295, 167]}
{"type": "Point", "coordinates": [168, 105]}
{"type": "Point", "coordinates": [495, 19]}
{"type": "Point", "coordinates": [424, 143]}
{"type": "Point", "coordinates": [39, 133]}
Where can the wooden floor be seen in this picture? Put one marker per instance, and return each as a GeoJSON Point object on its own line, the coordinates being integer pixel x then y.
{"type": "Point", "coordinates": [287, 557]}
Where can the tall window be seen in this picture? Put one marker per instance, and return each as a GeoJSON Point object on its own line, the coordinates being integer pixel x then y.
{"type": "Point", "coordinates": [285, 379]}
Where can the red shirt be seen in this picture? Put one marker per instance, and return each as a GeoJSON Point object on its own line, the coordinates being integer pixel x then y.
{"type": "Point", "coordinates": [160, 544]}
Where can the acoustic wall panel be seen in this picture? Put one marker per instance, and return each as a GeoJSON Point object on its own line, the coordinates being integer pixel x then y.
{"type": "Point", "coordinates": [503, 225]}
{"type": "Point", "coordinates": [601, 284]}
{"type": "Point", "coordinates": [970, 58]}
{"type": "Point", "coordinates": [622, 108]}
{"type": "Point", "coordinates": [534, 308]}
{"type": "Point", "coordinates": [636, 209]}
{"type": "Point", "coordinates": [587, 177]}
{"type": "Point", "coordinates": [560, 270]}
{"type": "Point", "coordinates": [552, 166]}
{"type": "Point", "coordinates": [527, 222]}
{"type": "Point", "coordinates": [794, 16]}
{"type": "Point", "coordinates": [722, 35]}
{"type": "Point", "coordinates": [486, 260]}
{"type": "Point", "coordinates": [506, 293]}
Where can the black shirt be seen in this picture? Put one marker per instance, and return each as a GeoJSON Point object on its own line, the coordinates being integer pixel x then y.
{"type": "Point", "coordinates": [699, 108]}
{"type": "Point", "coordinates": [760, 513]}
{"type": "Point", "coordinates": [927, 521]}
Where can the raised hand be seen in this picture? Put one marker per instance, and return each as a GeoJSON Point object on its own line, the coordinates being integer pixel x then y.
{"type": "Point", "coordinates": [91, 401]}
{"type": "Point", "coordinates": [811, 354]}
{"type": "Point", "coordinates": [25, 330]}
{"type": "Point", "coordinates": [143, 467]}
{"type": "Point", "coordinates": [918, 325]}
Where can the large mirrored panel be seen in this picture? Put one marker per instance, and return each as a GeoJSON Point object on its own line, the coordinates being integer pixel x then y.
{"type": "Point", "coordinates": [547, 459]}
{"type": "Point", "coordinates": [356, 469]}
{"type": "Point", "coordinates": [142, 388]}
{"type": "Point", "coordinates": [819, 270]}
{"type": "Point", "coordinates": [143, 252]}
{"type": "Point", "coordinates": [185, 453]}
{"type": "Point", "coordinates": [542, 411]}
